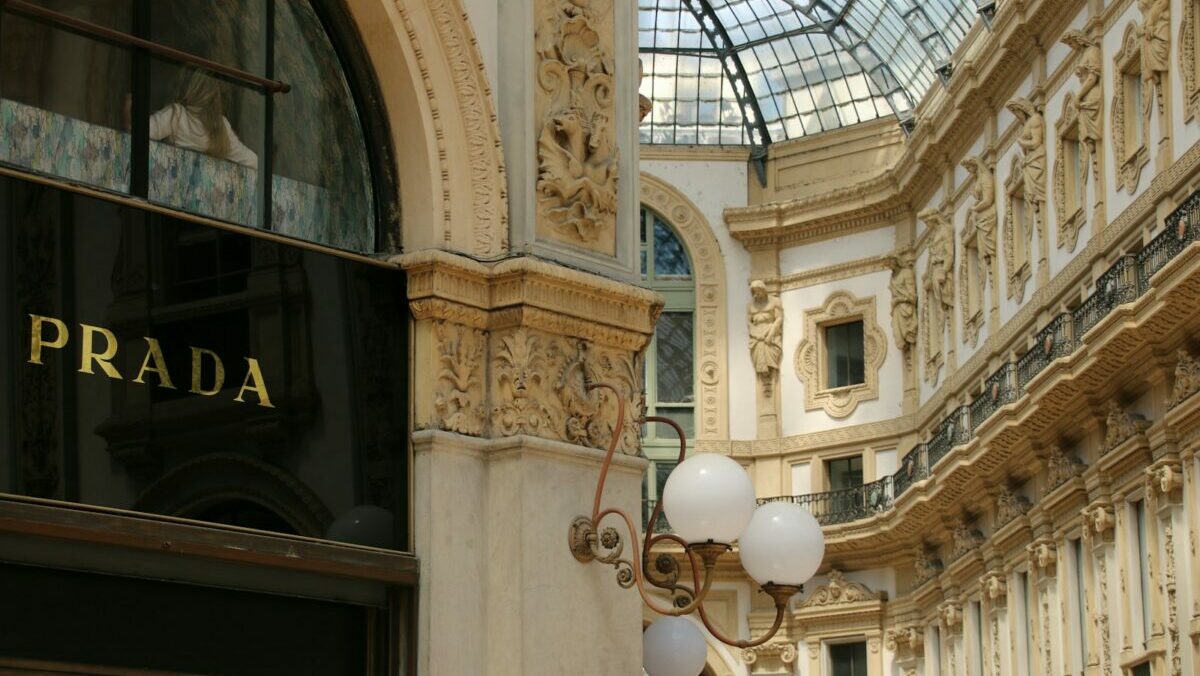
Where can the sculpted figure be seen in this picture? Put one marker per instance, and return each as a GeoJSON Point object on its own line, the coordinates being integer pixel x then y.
{"type": "Point", "coordinates": [904, 300]}
{"type": "Point", "coordinates": [1156, 46]}
{"type": "Point", "coordinates": [1032, 140]}
{"type": "Point", "coordinates": [765, 320]}
{"type": "Point", "coordinates": [983, 211]}
{"type": "Point", "coordinates": [1089, 70]}
{"type": "Point", "coordinates": [940, 275]}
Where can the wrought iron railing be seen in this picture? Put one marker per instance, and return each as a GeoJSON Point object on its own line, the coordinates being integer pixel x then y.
{"type": "Point", "coordinates": [647, 511]}
{"type": "Point", "coordinates": [999, 389]}
{"type": "Point", "coordinates": [1054, 341]}
{"type": "Point", "coordinates": [845, 505]}
{"type": "Point", "coordinates": [913, 468]}
{"type": "Point", "coordinates": [1116, 286]}
{"type": "Point", "coordinates": [1127, 279]}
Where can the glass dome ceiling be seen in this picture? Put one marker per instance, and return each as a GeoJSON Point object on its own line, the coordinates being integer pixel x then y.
{"type": "Point", "coordinates": [753, 72]}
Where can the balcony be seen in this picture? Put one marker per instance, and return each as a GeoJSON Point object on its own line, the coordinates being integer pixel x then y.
{"type": "Point", "coordinates": [845, 505]}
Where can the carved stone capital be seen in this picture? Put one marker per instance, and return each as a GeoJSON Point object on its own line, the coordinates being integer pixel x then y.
{"type": "Point", "coordinates": [994, 585]}
{"type": "Point", "coordinates": [1100, 520]}
{"type": "Point", "coordinates": [1043, 555]}
{"type": "Point", "coordinates": [1165, 480]}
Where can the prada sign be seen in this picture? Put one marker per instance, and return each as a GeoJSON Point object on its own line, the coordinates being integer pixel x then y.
{"type": "Point", "coordinates": [207, 366]}
{"type": "Point", "coordinates": [164, 366]}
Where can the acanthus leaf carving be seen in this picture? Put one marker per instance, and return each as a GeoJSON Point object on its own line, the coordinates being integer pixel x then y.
{"type": "Point", "coordinates": [577, 154]}
{"type": "Point", "coordinates": [519, 367]}
{"type": "Point", "coordinates": [458, 397]}
{"type": "Point", "coordinates": [839, 590]}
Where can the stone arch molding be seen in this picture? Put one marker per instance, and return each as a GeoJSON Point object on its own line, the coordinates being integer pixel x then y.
{"type": "Point", "coordinates": [443, 124]}
{"type": "Point", "coordinates": [712, 345]}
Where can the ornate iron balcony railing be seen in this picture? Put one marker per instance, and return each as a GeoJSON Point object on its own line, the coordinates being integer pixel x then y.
{"type": "Point", "coordinates": [1054, 341]}
{"type": "Point", "coordinates": [1116, 286]}
{"type": "Point", "coordinates": [913, 468]}
{"type": "Point", "coordinates": [999, 389]}
{"type": "Point", "coordinates": [845, 505]}
{"type": "Point", "coordinates": [955, 430]}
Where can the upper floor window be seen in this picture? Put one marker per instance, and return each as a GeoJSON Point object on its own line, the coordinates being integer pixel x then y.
{"type": "Point", "coordinates": [848, 659]}
{"type": "Point", "coordinates": [670, 358]}
{"type": "Point", "coordinates": [234, 110]}
{"type": "Point", "coordinates": [844, 354]}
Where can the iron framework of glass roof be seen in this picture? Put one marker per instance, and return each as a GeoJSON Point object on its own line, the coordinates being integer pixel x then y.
{"type": "Point", "coordinates": [753, 72]}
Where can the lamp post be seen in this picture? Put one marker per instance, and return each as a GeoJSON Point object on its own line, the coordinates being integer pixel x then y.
{"type": "Point", "coordinates": [710, 503]}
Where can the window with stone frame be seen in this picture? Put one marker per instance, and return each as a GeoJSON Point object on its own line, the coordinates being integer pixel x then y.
{"type": "Point", "coordinates": [1070, 176]}
{"type": "Point", "coordinates": [1018, 232]}
{"type": "Point", "coordinates": [1130, 112]}
{"type": "Point", "coordinates": [862, 350]}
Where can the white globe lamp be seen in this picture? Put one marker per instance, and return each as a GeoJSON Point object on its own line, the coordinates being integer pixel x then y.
{"type": "Point", "coordinates": [708, 498]}
{"type": "Point", "coordinates": [673, 646]}
{"type": "Point", "coordinates": [782, 545]}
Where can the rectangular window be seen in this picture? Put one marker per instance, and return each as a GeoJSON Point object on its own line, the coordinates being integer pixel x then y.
{"type": "Point", "coordinates": [1073, 163]}
{"type": "Point", "coordinates": [848, 659]}
{"type": "Point", "coordinates": [1080, 629]}
{"type": "Point", "coordinates": [1142, 669]}
{"type": "Point", "coordinates": [1139, 509]}
{"type": "Point", "coordinates": [844, 354]}
{"type": "Point", "coordinates": [845, 473]}
{"type": "Point", "coordinates": [1133, 111]}
{"type": "Point", "coordinates": [1026, 619]}
{"type": "Point", "coordinates": [933, 651]}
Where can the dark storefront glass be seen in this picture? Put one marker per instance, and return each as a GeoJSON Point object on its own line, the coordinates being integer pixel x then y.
{"type": "Point", "coordinates": [167, 367]}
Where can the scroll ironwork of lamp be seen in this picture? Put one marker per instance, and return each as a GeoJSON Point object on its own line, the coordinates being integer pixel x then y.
{"type": "Point", "coordinates": [709, 501]}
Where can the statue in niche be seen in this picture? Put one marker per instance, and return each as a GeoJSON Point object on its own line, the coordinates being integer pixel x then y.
{"type": "Point", "coordinates": [939, 277]}
{"type": "Point", "coordinates": [904, 300]}
{"type": "Point", "coordinates": [765, 319]}
{"type": "Point", "coordinates": [1089, 102]}
{"type": "Point", "coordinates": [1156, 47]}
{"type": "Point", "coordinates": [577, 155]}
{"type": "Point", "coordinates": [1032, 141]}
{"type": "Point", "coordinates": [983, 212]}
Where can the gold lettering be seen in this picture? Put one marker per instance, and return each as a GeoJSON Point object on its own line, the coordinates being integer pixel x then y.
{"type": "Point", "coordinates": [154, 353]}
{"type": "Point", "coordinates": [198, 366]}
{"type": "Point", "coordinates": [254, 373]}
{"type": "Point", "coordinates": [103, 359]}
{"type": "Point", "coordinates": [37, 342]}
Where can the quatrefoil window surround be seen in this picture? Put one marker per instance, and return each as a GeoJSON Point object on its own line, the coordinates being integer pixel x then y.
{"type": "Point", "coordinates": [811, 356]}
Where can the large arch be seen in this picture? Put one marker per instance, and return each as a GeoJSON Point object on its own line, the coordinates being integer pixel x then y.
{"type": "Point", "coordinates": [443, 124]}
{"type": "Point", "coordinates": [712, 349]}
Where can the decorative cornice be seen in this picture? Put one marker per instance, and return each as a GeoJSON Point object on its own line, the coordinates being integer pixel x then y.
{"type": "Point", "coordinates": [833, 273]}
{"type": "Point", "coordinates": [840, 591]}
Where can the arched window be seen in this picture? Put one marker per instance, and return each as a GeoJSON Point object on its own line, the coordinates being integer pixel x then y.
{"type": "Point", "coordinates": [670, 359]}
{"type": "Point", "coordinates": [235, 110]}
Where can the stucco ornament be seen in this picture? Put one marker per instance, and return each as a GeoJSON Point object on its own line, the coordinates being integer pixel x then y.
{"type": "Point", "coordinates": [784, 651]}
{"type": "Point", "coordinates": [995, 585]}
{"type": "Point", "coordinates": [903, 286]}
{"type": "Point", "coordinates": [1032, 141]}
{"type": "Point", "coordinates": [519, 367]}
{"type": "Point", "coordinates": [1120, 425]}
{"type": "Point", "coordinates": [1156, 47]}
{"type": "Point", "coordinates": [458, 398]}
{"type": "Point", "coordinates": [982, 215]}
{"type": "Point", "coordinates": [840, 590]}
{"type": "Point", "coordinates": [1061, 468]}
{"type": "Point", "coordinates": [1010, 505]}
{"type": "Point", "coordinates": [1187, 377]}
{"type": "Point", "coordinates": [1089, 101]}
{"type": "Point", "coordinates": [925, 565]}
{"type": "Point", "coordinates": [764, 317]}
{"type": "Point", "coordinates": [1043, 554]}
{"type": "Point", "coordinates": [811, 365]}
{"type": "Point", "coordinates": [577, 155]}
{"type": "Point", "coordinates": [965, 539]}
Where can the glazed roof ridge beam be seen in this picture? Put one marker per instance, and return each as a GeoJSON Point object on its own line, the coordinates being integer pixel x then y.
{"type": "Point", "coordinates": [714, 30]}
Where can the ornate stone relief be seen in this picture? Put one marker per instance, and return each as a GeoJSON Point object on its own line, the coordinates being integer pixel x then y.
{"type": "Point", "coordinates": [965, 539]}
{"type": "Point", "coordinates": [1100, 520]}
{"type": "Point", "coordinates": [839, 590]}
{"type": "Point", "coordinates": [1120, 425]}
{"type": "Point", "coordinates": [1187, 60]}
{"type": "Point", "coordinates": [950, 615]}
{"type": "Point", "coordinates": [1156, 48]}
{"type": "Point", "coordinates": [577, 153]}
{"type": "Point", "coordinates": [784, 651]}
{"type": "Point", "coordinates": [926, 566]}
{"type": "Point", "coordinates": [903, 286]}
{"type": "Point", "coordinates": [994, 585]}
{"type": "Point", "coordinates": [1129, 144]}
{"type": "Point", "coordinates": [1026, 183]}
{"type": "Point", "coordinates": [1165, 480]}
{"type": "Point", "coordinates": [764, 318]}
{"type": "Point", "coordinates": [1010, 505]}
{"type": "Point", "coordinates": [1061, 468]}
{"type": "Point", "coordinates": [1187, 378]}
{"type": "Point", "coordinates": [839, 308]}
{"type": "Point", "coordinates": [1088, 106]}
{"type": "Point", "coordinates": [458, 399]}
{"type": "Point", "coordinates": [938, 284]}
{"type": "Point", "coordinates": [1043, 555]}
{"type": "Point", "coordinates": [906, 641]}
{"type": "Point", "coordinates": [979, 248]}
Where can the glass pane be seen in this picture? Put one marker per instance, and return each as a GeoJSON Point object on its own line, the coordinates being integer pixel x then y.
{"type": "Point", "coordinates": [670, 258]}
{"type": "Point", "coordinates": [674, 357]}
{"type": "Point", "coordinates": [321, 190]}
{"type": "Point", "coordinates": [849, 659]}
{"type": "Point", "coordinates": [845, 473]}
{"type": "Point", "coordinates": [229, 376]}
{"type": "Point", "coordinates": [844, 354]}
{"type": "Point", "coordinates": [205, 142]}
{"type": "Point", "coordinates": [63, 98]}
{"type": "Point", "coordinates": [684, 416]}
{"type": "Point", "coordinates": [229, 32]}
